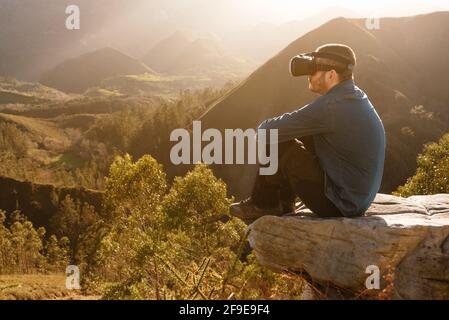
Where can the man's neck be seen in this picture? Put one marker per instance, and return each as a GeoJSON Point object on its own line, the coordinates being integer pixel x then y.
{"type": "Point", "coordinates": [332, 86]}
{"type": "Point", "coordinates": [335, 85]}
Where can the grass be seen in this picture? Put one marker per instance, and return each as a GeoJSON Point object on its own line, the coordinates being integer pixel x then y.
{"type": "Point", "coordinates": [38, 287]}
{"type": "Point", "coordinates": [40, 127]}
{"type": "Point", "coordinates": [68, 159]}
{"type": "Point", "coordinates": [105, 93]}
{"type": "Point", "coordinates": [15, 91]}
{"type": "Point", "coordinates": [12, 97]}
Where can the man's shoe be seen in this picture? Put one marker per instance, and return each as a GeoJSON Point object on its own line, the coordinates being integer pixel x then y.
{"type": "Point", "coordinates": [288, 207]}
{"type": "Point", "coordinates": [249, 212]}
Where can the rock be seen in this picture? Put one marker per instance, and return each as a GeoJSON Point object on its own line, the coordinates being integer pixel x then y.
{"type": "Point", "coordinates": [406, 237]}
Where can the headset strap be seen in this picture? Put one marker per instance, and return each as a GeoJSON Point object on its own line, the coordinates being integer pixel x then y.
{"type": "Point", "coordinates": [331, 56]}
{"type": "Point", "coordinates": [326, 67]}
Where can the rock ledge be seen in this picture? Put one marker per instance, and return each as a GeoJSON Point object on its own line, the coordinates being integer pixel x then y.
{"type": "Point", "coordinates": [408, 237]}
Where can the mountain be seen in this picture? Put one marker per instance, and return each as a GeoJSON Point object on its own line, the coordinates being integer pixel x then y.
{"type": "Point", "coordinates": [402, 67]}
{"type": "Point", "coordinates": [186, 54]}
{"type": "Point", "coordinates": [88, 70]}
{"type": "Point", "coordinates": [272, 38]}
{"type": "Point", "coordinates": [166, 51]}
{"type": "Point", "coordinates": [34, 38]}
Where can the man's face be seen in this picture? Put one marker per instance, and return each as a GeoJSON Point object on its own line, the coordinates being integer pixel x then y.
{"type": "Point", "coordinates": [317, 82]}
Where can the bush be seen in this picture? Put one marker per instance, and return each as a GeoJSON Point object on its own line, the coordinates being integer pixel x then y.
{"type": "Point", "coordinates": [432, 173]}
{"type": "Point", "coordinates": [177, 245]}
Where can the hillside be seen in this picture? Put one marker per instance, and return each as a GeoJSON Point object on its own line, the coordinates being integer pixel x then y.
{"type": "Point", "coordinates": [13, 91]}
{"type": "Point", "coordinates": [38, 127]}
{"type": "Point", "coordinates": [273, 38]}
{"type": "Point", "coordinates": [163, 53]}
{"type": "Point", "coordinates": [39, 202]}
{"type": "Point", "coordinates": [391, 69]}
{"type": "Point", "coordinates": [88, 70]}
{"type": "Point", "coordinates": [188, 55]}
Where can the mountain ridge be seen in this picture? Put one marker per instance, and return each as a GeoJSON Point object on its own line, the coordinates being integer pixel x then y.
{"type": "Point", "coordinates": [75, 75]}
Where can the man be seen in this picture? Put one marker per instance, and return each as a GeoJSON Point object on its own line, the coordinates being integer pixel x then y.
{"type": "Point", "coordinates": [331, 151]}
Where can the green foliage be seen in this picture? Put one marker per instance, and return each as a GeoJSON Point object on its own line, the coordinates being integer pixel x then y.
{"type": "Point", "coordinates": [154, 132]}
{"type": "Point", "coordinates": [57, 253]}
{"type": "Point", "coordinates": [118, 129]}
{"type": "Point", "coordinates": [432, 174]}
{"type": "Point", "coordinates": [72, 220]}
{"type": "Point", "coordinates": [196, 200]}
{"type": "Point", "coordinates": [178, 245]}
{"type": "Point", "coordinates": [23, 248]}
{"type": "Point", "coordinates": [137, 186]}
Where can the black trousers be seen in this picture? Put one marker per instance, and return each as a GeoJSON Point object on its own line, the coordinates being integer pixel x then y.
{"type": "Point", "coordinates": [299, 175]}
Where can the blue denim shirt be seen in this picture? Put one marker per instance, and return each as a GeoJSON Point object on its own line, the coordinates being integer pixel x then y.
{"type": "Point", "coordinates": [349, 140]}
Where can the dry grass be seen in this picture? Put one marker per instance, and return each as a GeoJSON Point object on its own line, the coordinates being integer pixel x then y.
{"type": "Point", "coordinates": [38, 287]}
{"type": "Point", "coordinates": [39, 127]}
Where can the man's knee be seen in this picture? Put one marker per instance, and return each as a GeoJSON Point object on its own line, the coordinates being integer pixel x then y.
{"type": "Point", "coordinates": [300, 163]}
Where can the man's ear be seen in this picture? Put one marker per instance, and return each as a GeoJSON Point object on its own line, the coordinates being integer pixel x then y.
{"type": "Point", "coordinates": [334, 75]}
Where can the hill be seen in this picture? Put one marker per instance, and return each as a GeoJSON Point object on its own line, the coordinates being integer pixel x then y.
{"type": "Point", "coordinates": [163, 53]}
{"type": "Point", "coordinates": [402, 68]}
{"type": "Point", "coordinates": [13, 91]}
{"type": "Point", "coordinates": [273, 38]}
{"type": "Point", "coordinates": [88, 70]}
{"type": "Point", "coordinates": [185, 54]}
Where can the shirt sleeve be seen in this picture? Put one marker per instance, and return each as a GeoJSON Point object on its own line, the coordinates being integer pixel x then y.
{"type": "Point", "coordinates": [312, 119]}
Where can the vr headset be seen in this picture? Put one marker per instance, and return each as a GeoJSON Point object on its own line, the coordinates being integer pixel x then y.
{"type": "Point", "coordinates": [306, 63]}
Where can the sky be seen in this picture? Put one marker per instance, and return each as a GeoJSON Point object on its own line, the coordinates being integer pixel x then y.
{"type": "Point", "coordinates": [150, 21]}
{"type": "Point", "coordinates": [279, 11]}
{"type": "Point", "coordinates": [233, 14]}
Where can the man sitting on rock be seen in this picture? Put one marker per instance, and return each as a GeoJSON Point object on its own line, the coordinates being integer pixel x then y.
{"type": "Point", "coordinates": [331, 152]}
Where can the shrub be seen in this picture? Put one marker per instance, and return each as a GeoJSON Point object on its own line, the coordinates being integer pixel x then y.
{"type": "Point", "coordinates": [178, 245]}
{"type": "Point", "coordinates": [432, 173]}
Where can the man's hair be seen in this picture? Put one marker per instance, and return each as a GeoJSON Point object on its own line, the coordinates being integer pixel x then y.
{"type": "Point", "coordinates": [343, 51]}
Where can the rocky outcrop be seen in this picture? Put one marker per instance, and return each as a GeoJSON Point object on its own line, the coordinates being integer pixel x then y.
{"type": "Point", "coordinates": [404, 237]}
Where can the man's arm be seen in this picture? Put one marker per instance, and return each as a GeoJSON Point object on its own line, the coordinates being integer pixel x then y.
{"type": "Point", "coordinates": [314, 118]}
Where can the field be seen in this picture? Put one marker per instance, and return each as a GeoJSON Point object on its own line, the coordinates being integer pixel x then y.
{"type": "Point", "coordinates": [38, 287]}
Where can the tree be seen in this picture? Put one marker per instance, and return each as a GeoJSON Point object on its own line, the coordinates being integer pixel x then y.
{"type": "Point", "coordinates": [72, 220]}
{"type": "Point", "coordinates": [27, 243]}
{"type": "Point", "coordinates": [132, 202]}
{"type": "Point", "coordinates": [196, 203]}
{"type": "Point", "coordinates": [135, 186]}
{"type": "Point", "coordinates": [7, 261]}
{"type": "Point", "coordinates": [432, 173]}
{"type": "Point", "coordinates": [57, 253]}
